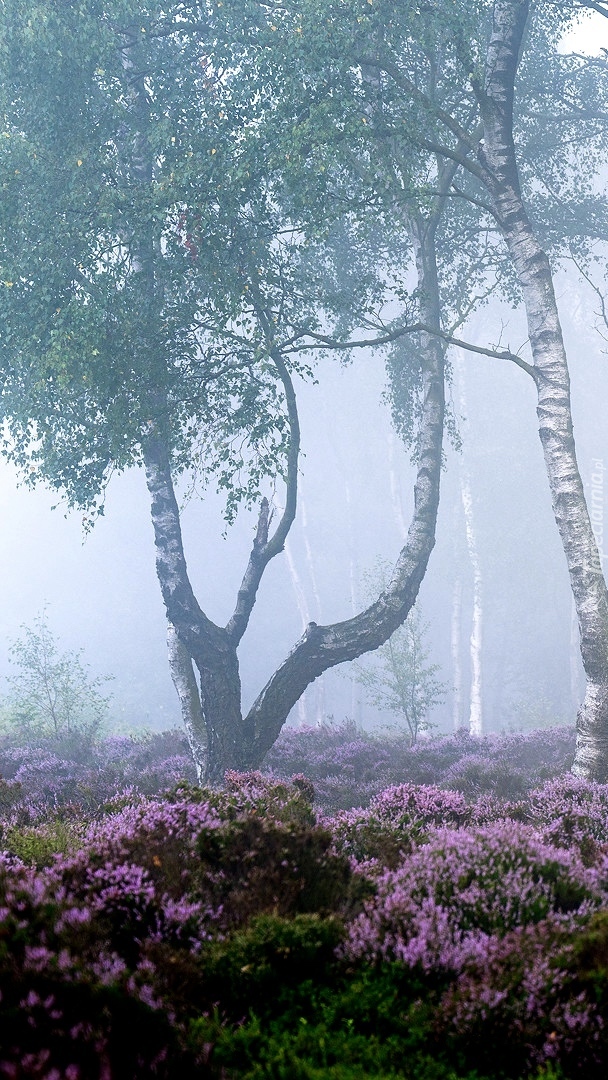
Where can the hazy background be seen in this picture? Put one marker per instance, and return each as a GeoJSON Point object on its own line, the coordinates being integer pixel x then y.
{"type": "Point", "coordinates": [356, 495]}
{"type": "Point", "coordinates": [102, 595]}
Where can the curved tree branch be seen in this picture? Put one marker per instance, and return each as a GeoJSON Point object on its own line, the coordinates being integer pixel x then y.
{"type": "Point", "coordinates": [323, 341]}
{"type": "Point", "coordinates": [265, 549]}
{"type": "Point", "coordinates": [322, 647]}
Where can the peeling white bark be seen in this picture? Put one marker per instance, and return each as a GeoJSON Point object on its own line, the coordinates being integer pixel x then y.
{"type": "Point", "coordinates": [184, 681]}
{"type": "Point", "coordinates": [498, 160]}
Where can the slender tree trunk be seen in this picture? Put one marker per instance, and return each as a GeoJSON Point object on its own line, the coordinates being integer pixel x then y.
{"type": "Point", "coordinates": [322, 647]}
{"type": "Point", "coordinates": [476, 639]}
{"type": "Point", "coordinates": [497, 157]}
{"type": "Point", "coordinates": [395, 489]}
{"type": "Point", "coordinates": [475, 723]}
{"type": "Point", "coordinates": [302, 604]}
{"type": "Point", "coordinates": [212, 648]}
{"type": "Point", "coordinates": [455, 649]}
{"type": "Point", "coordinates": [184, 681]}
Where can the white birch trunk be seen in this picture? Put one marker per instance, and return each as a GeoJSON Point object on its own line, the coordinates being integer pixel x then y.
{"type": "Point", "coordinates": [476, 639]}
{"type": "Point", "coordinates": [184, 681]}
{"type": "Point", "coordinates": [551, 375]}
{"type": "Point", "coordinates": [455, 652]}
{"type": "Point", "coordinates": [396, 500]}
{"type": "Point", "coordinates": [302, 605]}
{"type": "Point", "coordinates": [475, 721]}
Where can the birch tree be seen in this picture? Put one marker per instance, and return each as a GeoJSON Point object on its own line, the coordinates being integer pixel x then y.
{"type": "Point", "coordinates": [501, 177]}
{"type": "Point", "coordinates": [525, 155]}
{"type": "Point", "coordinates": [155, 296]}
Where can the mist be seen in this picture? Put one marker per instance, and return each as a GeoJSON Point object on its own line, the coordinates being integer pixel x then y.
{"type": "Point", "coordinates": [355, 499]}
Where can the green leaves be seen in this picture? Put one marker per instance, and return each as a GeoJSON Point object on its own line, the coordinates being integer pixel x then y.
{"type": "Point", "coordinates": [53, 695]}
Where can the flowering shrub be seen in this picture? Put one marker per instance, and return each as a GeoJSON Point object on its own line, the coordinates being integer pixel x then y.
{"type": "Point", "coordinates": [477, 774]}
{"type": "Point", "coordinates": [226, 930]}
{"type": "Point", "coordinates": [349, 767]}
{"type": "Point", "coordinates": [288, 801]}
{"type": "Point", "coordinates": [70, 1005]}
{"type": "Point", "coordinates": [440, 908]}
{"type": "Point", "coordinates": [126, 919]}
{"type": "Point", "coordinates": [569, 810]}
{"type": "Point", "coordinates": [396, 820]}
{"type": "Point", "coordinates": [39, 783]}
{"type": "Point", "coordinates": [542, 982]}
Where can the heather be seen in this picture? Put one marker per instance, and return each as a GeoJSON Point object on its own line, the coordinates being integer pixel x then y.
{"type": "Point", "coordinates": [452, 926]}
{"type": "Point", "coordinates": [348, 767]}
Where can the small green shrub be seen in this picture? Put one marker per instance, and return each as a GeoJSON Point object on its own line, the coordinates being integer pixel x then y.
{"type": "Point", "coordinates": [254, 865]}
{"type": "Point", "coordinates": [37, 845]}
{"type": "Point", "coordinates": [272, 961]}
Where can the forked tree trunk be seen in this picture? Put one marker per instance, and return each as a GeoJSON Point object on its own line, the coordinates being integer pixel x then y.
{"type": "Point", "coordinates": [550, 372]}
{"type": "Point", "coordinates": [230, 739]}
{"type": "Point", "coordinates": [237, 741]}
{"type": "Point", "coordinates": [212, 648]}
{"type": "Point", "coordinates": [322, 647]}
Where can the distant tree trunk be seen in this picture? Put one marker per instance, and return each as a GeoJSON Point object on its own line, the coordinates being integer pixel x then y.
{"type": "Point", "coordinates": [475, 722]}
{"type": "Point", "coordinates": [315, 695]}
{"type": "Point", "coordinates": [476, 639]}
{"type": "Point", "coordinates": [312, 702]}
{"type": "Point", "coordinates": [455, 650]}
{"type": "Point", "coordinates": [302, 604]}
{"type": "Point", "coordinates": [396, 501]}
{"type": "Point", "coordinates": [498, 160]}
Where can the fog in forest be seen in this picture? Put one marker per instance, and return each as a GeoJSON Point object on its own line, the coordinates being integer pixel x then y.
{"type": "Point", "coordinates": [497, 569]}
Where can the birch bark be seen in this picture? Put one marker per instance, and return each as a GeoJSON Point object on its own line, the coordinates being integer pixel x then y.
{"type": "Point", "coordinates": [498, 160]}
{"type": "Point", "coordinates": [455, 652]}
{"type": "Point", "coordinates": [184, 681]}
{"type": "Point", "coordinates": [323, 647]}
{"type": "Point", "coordinates": [475, 721]}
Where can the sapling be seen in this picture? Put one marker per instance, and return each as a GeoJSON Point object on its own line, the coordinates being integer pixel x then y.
{"type": "Point", "coordinates": [397, 677]}
{"type": "Point", "coordinates": [53, 694]}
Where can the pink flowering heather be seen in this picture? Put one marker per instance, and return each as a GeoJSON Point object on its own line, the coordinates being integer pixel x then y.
{"type": "Point", "coordinates": [287, 801]}
{"type": "Point", "coordinates": [569, 810]}
{"type": "Point", "coordinates": [525, 1000]}
{"type": "Point", "coordinates": [396, 820]}
{"type": "Point", "coordinates": [348, 767]}
{"type": "Point", "coordinates": [450, 896]}
{"type": "Point", "coordinates": [40, 782]}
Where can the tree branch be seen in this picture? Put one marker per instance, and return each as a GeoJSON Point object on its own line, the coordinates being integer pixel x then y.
{"type": "Point", "coordinates": [603, 312]}
{"type": "Point", "coordinates": [390, 68]}
{"type": "Point", "coordinates": [496, 354]}
{"type": "Point", "coordinates": [601, 8]}
{"type": "Point", "coordinates": [265, 549]}
{"type": "Point", "coordinates": [322, 341]}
